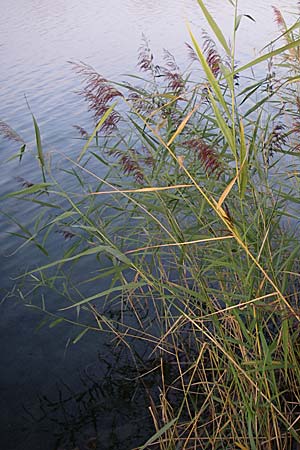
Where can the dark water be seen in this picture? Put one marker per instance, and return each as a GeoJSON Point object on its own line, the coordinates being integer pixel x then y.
{"type": "Point", "coordinates": [37, 38]}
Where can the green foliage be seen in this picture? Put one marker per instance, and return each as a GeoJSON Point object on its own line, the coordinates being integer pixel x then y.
{"type": "Point", "coordinates": [185, 241]}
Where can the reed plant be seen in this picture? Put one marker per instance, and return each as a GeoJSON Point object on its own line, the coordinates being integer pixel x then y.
{"type": "Point", "coordinates": [188, 244]}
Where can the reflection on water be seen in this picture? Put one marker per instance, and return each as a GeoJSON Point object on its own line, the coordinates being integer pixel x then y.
{"type": "Point", "coordinates": [37, 38]}
{"type": "Point", "coordinates": [107, 410]}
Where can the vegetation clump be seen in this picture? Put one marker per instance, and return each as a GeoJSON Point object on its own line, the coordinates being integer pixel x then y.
{"type": "Point", "coordinates": [190, 233]}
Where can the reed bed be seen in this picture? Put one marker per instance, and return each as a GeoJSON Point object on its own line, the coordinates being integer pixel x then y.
{"type": "Point", "coordinates": [193, 231]}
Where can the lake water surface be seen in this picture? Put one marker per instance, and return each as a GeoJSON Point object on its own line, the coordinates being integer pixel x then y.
{"type": "Point", "coordinates": [37, 38]}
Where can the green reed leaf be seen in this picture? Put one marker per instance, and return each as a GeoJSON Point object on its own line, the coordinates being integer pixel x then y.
{"type": "Point", "coordinates": [97, 128]}
{"type": "Point", "coordinates": [123, 288]}
{"type": "Point", "coordinates": [267, 56]}
{"type": "Point", "coordinates": [158, 434]}
{"type": "Point", "coordinates": [41, 187]}
{"type": "Point", "coordinates": [214, 26]}
{"type": "Point", "coordinates": [210, 76]}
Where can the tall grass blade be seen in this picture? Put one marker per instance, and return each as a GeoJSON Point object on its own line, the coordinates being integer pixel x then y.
{"type": "Point", "coordinates": [210, 76]}
{"type": "Point", "coordinates": [36, 188]}
{"type": "Point", "coordinates": [123, 288]}
{"type": "Point", "coordinates": [278, 51]}
{"type": "Point", "coordinates": [243, 177]}
{"type": "Point", "coordinates": [215, 28]}
{"type": "Point", "coordinates": [226, 130]}
{"type": "Point", "coordinates": [89, 252]}
{"type": "Point", "coordinates": [39, 147]}
{"type": "Point", "coordinates": [158, 434]}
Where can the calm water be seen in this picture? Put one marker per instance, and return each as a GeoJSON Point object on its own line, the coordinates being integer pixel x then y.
{"type": "Point", "coordinates": [37, 38]}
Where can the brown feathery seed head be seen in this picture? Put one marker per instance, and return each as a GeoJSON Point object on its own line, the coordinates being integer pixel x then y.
{"type": "Point", "coordinates": [191, 53]}
{"type": "Point", "coordinates": [67, 234]}
{"type": "Point", "coordinates": [175, 81]}
{"type": "Point", "coordinates": [111, 122]}
{"type": "Point", "coordinates": [98, 93]}
{"type": "Point", "coordinates": [212, 56]}
{"type": "Point", "coordinates": [145, 56]}
{"type": "Point", "coordinates": [206, 155]}
{"type": "Point", "coordinates": [276, 141]}
{"type": "Point", "coordinates": [172, 72]}
{"type": "Point", "coordinates": [24, 183]}
{"type": "Point", "coordinates": [131, 167]}
{"type": "Point", "coordinates": [82, 131]}
{"type": "Point", "coordinates": [170, 61]}
{"type": "Point", "coordinates": [140, 103]}
{"type": "Point", "coordinates": [279, 18]}
{"type": "Point", "coordinates": [8, 133]}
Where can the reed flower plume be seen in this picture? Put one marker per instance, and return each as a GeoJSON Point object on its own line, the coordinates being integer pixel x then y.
{"type": "Point", "coordinates": [171, 72]}
{"type": "Point", "coordinates": [294, 53]}
{"type": "Point", "coordinates": [8, 133]}
{"type": "Point", "coordinates": [146, 58]}
{"type": "Point", "coordinates": [66, 233]}
{"type": "Point", "coordinates": [141, 102]}
{"type": "Point", "coordinates": [83, 133]}
{"type": "Point", "coordinates": [296, 130]}
{"type": "Point", "coordinates": [276, 141]}
{"type": "Point", "coordinates": [133, 162]}
{"type": "Point", "coordinates": [212, 56]}
{"type": "Point", "coordinates": [24, 183]}
{"type": "Point", "coordinates": [279, 19]}
{"type": "Point", "coordinates": [131, 166]}
{"type": "Point", "coordinates": [191, 52]}
{"type": "Point", "coordinates": [206, 154]}
{"type": "Point", "coordinates": [99, 94]}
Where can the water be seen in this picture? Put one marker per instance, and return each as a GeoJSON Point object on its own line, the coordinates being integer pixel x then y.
{"type": "Point", "coordinates": [37, 38]}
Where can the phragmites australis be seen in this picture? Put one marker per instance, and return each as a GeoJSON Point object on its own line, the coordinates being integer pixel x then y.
{"type": "Point", "coordinates": [99, 93]}
{"type": "Point", "coordinates": [206, 154]}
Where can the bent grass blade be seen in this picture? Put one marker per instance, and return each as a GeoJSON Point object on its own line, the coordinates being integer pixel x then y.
{"type": "Point", "coordinates": [96, 129]}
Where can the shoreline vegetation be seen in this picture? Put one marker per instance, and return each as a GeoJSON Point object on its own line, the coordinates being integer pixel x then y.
{"type": "Point", "coordinates": [193, 231]}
